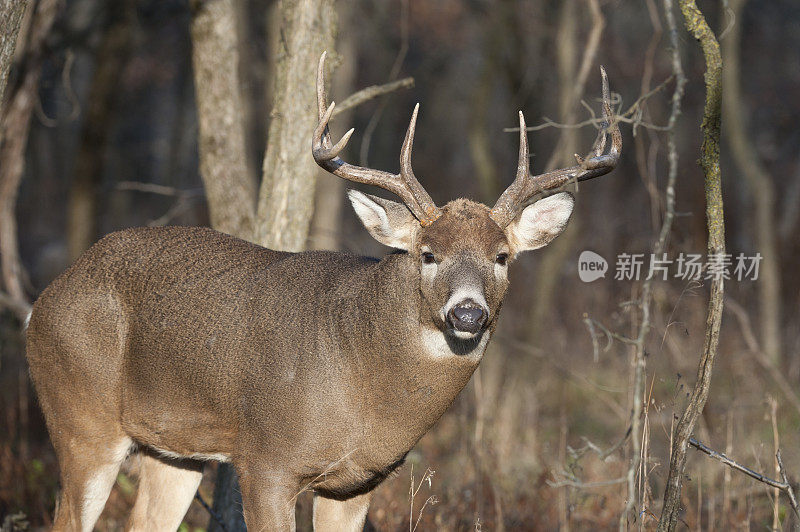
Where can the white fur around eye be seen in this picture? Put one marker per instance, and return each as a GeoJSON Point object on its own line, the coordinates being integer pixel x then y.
{"type": "Point", "coordinates": [427, 270]}
{"type": "Point", "coordinates": [501, 270]}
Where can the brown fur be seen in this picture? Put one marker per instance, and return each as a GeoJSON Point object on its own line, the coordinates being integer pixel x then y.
{"type": "Point", "coordinates": [306, 370]}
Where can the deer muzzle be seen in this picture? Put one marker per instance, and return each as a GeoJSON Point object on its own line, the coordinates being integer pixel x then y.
{"type": "Point", "coordinates": [467, 317]}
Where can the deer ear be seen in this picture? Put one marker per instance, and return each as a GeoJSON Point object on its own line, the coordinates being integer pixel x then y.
{"type": "Point", "coordinates": [388, 222]}
{"type": "Point", "coordinates": [539, 223]}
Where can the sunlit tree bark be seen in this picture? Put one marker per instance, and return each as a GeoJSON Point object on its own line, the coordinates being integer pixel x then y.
{"type": "Point", "coordinates": [286, 199]}
{"type": "Point", "coordinates": [11, 13]}
{"type": "Point", "coordinates": [230, 189]}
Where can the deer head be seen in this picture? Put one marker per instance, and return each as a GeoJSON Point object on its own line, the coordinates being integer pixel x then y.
{"type": "Point", "coordinates": [463, 250]}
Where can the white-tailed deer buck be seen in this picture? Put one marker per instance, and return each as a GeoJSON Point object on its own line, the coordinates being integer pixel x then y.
{"type": "Point", "coordinates": [314, 370]}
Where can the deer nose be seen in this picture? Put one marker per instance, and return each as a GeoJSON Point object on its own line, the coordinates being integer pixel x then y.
{"type": "Point", "coordinates": [467, 316]}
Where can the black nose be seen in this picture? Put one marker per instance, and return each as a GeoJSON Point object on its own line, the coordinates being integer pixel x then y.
{"type": "Point", "coordinates": [467, 316]}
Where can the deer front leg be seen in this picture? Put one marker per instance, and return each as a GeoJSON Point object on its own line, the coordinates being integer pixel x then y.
{"type": "Point", "coordinates": [268, 500]}
{"type": "Point", "coordinates": [340, 516]}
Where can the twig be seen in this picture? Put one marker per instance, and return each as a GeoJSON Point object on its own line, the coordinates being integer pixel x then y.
{"type": "Point", "coordinates": [324, 473]}
{"type": "Point", "coordinates": [153, 188]}
{"type": "Point", "coordinates": [369, 93]}
{"type": "Point", "coordinates": [427, 477]}
{"type": "Point", "coordinates": [784, 485]}
{"type": "Point", "coordinates": [585, 485]}
{"type": "Point", "coordinates": [789, 490]}
{"type": "Point", "coordinates": [214, 515]}
{"type": "Point", "coordinates": [629, 116]}
{"type": "Point", "coordinates": [182, 204]}
{"type": "Point", "coordinates": [773, 415]}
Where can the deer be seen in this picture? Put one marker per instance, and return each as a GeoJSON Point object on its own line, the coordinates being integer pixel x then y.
{"type": "Point", "coordinates": [315, 370]}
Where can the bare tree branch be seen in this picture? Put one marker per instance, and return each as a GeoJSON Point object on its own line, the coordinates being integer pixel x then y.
{"type": "Point", "coordinates": [784, 485]}
{"type": "Point", "coordinates": [370, 93]}
{"type": "Point", "coordinates": [789, 490]}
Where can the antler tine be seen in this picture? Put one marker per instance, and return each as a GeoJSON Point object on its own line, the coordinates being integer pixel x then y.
{"type": "Point", "coordinates": [421, 197]}
{"type": "Point", "coordinates": [322, 98]}
{"type": "Point", "coordinates": [404, 185]}
{"type": "Point", "coordinates": [595, 164]}
{"type": "Point", "coordinates": [506, 207]}
{"type": "Point", "coordinates": [524, 162]}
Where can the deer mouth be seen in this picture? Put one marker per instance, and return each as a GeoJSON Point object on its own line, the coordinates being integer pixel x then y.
{"type": "Point", "coordinates": [467, 318]}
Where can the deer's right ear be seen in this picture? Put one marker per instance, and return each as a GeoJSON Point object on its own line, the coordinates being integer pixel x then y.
{"type": "Point", "coordinates": [539, 223]}
{"type": "Point", "coordinates": [388, 222]}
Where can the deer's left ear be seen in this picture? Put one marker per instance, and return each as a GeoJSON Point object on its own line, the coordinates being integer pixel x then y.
{"type": "Point", "coordinates": [539, 223]}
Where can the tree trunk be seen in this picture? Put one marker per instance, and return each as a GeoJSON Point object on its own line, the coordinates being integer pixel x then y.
{"type": "Point", "coordinates": [715, 220]}
{"type": "Point", "coordinates": [286, 199]}
{"type": "Point", "coordinates": [230, 190]}
{"type": "Point", "coordinates": [16, 120]}
{"type": "Point", "coordinates": [113, 53]}
{"type": "Point", "coordinates": [329, 196]}
{"type": "Point", "coordinates": [11, 13]}
{"type": "Point", "coordinates": [761, 187]}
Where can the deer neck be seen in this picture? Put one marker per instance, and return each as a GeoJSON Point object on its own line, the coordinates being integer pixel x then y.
{"type": "Point", "coordinates": [415, 368]}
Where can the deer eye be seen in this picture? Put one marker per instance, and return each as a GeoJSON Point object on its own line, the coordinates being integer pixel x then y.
{"type": "Point", "coordinates": [428, 258]}
{"type": "Point", "coordinates": [501, 259]}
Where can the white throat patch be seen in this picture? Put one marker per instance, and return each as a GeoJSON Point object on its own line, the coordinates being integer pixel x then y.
{"type": "Point", "coordinates": [437, 345]}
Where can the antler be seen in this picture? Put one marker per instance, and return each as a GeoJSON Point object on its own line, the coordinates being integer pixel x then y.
{"type": "Point", "coordinates": [595, 164]}
{"type": "Point", "coordinates": [404, 184]}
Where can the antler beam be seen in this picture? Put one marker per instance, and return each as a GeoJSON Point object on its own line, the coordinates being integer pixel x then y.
{"type": "Point", "coordinates": [595, 164]}
{"type": "Point", "coordinates": [404, 184]}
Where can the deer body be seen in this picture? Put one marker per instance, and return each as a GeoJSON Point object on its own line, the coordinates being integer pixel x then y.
{"type": "Point", "coordinates": [314, 370]}
{"type": "Point", "coordinates": [213, 334]}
